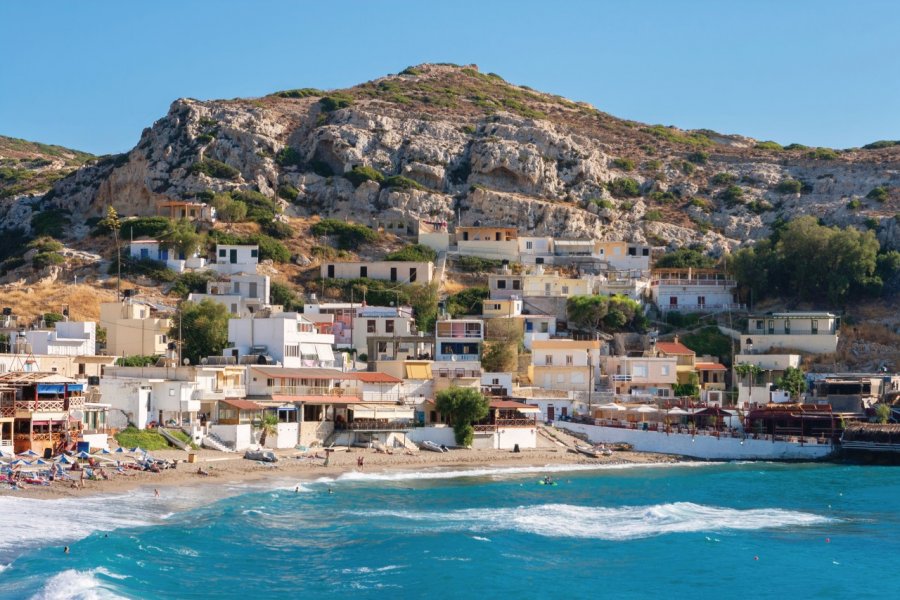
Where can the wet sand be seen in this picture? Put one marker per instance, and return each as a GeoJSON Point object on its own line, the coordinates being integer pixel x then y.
{"type": "Point", "coordinates": [233, 468]}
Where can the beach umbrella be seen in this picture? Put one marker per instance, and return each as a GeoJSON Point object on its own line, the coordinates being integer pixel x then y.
{"type": "Point", "coordinates": [120, 450]}
{"type": "Point", "coordinates": [18, 463]}
{"type": "Point", "coordinates": [5, 453]}
{"type": "Point", "coordinates": [62, 458]}
{"type": "Point", "coordinates": [28, 452]}
{"type": "Point", "coordinates": [137, 449]}
{"type": "Point", "coordinates": [643, 410]}
{"type": "Point", "coordinates": [612, 406]}
{"type": "Point", "coordinates": [104, 451]}
{"type": "Point", "coordinates": [82, 455]}
{"type": "Point", "coordinates": [40, 462]}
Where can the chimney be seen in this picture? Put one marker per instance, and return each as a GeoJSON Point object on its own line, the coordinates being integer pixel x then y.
{"type": "Point", "coordinates": [676, 339]}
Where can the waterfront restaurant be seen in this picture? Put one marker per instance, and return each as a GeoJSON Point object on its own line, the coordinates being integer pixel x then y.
{"type": "Point", "coordinates": [40, 406]}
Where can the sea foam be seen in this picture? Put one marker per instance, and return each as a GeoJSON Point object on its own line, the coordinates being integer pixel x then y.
{"type": "Point", "coordinates": [77, 585]}
{"type": "Point", "coordinates": [617, 524]}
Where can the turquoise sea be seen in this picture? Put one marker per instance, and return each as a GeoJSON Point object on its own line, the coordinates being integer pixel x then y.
{"type": "Point", "coordinates": [686, 530]}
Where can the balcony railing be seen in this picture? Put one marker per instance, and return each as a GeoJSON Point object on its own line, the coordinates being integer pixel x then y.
{"type": "Point", "coordinates": [9, 408]}
{"type": "Point", "coordinates": [702, 307]}
{"type": "Point", "coordinates": [620, 377]}
{"type": "Point", "coordinates": [306, 390]}
{"type": "Point", "coordinates": [467, 357]}
{"type": "Point", "coordinates": [374, 425]}
{"type": "Point", "coordinates": [685, 282]}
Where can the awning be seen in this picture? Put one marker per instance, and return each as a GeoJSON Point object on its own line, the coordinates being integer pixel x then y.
{"type": "Point", "coordinates": [59, 388]}
{"type": "Point", "coordinates": [387, 411]}
{"type": "Point", "coordinates": [242, 404]}
{"type": "Point", "coordinates": [528, 409]}
{"type": "Point", "coordinates": [418, 371]}
{"type": "Point", "coordinates": [325, 353]}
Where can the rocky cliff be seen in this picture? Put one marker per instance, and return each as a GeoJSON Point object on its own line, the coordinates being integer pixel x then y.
{"type": "Point", "coordinates": [448, 142]}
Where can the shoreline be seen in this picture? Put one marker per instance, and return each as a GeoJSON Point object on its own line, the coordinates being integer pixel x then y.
{"type": "Point", "coordinates": [234, 469]}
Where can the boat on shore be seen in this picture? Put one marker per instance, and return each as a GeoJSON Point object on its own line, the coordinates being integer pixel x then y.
{"type": "Point", "coordinates": [593, 451]}
{"type": "Point", "coordinates": [432, 446]}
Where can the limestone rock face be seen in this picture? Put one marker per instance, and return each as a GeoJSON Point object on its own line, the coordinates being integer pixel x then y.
{"type": "Point", "coordinates": [497, 153]}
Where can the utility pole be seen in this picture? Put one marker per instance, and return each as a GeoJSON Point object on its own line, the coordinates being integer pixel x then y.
{"type": "Point", "coordinates": [590, 386]}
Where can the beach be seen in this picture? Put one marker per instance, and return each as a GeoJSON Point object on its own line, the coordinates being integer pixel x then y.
{"type": "Point", "coordinates": [229, 468]}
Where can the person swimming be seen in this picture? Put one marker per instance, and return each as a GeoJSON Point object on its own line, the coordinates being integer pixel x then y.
{"type": "Point", "coordinates": [548, 480]}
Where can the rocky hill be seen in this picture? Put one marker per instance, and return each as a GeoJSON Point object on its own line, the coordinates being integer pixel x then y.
{"type": "Point", "coordinates": [29, 168]}
{"type": "Point", "coordinates": [447, 142]}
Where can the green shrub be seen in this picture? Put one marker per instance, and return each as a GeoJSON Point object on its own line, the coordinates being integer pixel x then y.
{"type": "Point", "coordinates": [759, 207]}
{"type": "Point", "coordinates": [603, 203]}
{"type": "Point", "coordinates": [136, 361]}
{"type": "Point", "coordinates": [350, 236]}
{"type": "Point", "coordinates": [789, 186]}
{"type": "Point", "coordinates": [45, 244]}
{"type": "Point", "coordinates": [289, 157]}
{"type": "Point", "coordinates": [279, 230]}
{"type": "Point", "coordinates": [684, 258]}
{"type": "Point", "coordinates": [624, 164]}
{"type": "Point", "coordinates": [360, 174]}
{"type": "Point", "coordinates": [260, 208]}
{"type": "Point", "coordinates": [701, 203]}
{"type": "Point", "coordinates": [871, 223]}
{"type": "Point", "coordinates": [215, 168]}
{"type": "Point", "coordinates": [152, 269]}
{"type": "Point", "coordinates": [732, 194]}
{"type": "Point", "coordinates": [192, 282]}
{"type": "Point", "coordinates": [881, 144]}
{"type": "Point", "coordinates": [205, 138]}
{"type": "Point", "coordinates": [624, 187]}
{"type": "Point", "coordinates": [724, 178]}
{"type": "Point", "coordinates": [299, 93]}
{"type": "Point", "coordinates": [282, 294]}
{"type": "Point", "coordinates": [626, 206]}
{"type": "Point", "coordinates": [653, 165]}
{"type": "Point", "coordinates": [51, 222]}
{"type": "Point", "coordinates": [144, 227]}
{"type": "Point", "coordinates": [232, 211]}
{"type": "Point", "coordinates": [653, 215]}
{"type": "Point", "coordinates": [698, 158]}
{"type": "Point", "coordinates": [879, 194]}
{"type": "Point", "coordinates": [796, 147]}
{"type": "Point", "coordinates": [468, 129]}
{"type": "Point", "coordinates": [288, 192]}
{"type": "Point", "coordinates": [822, 154]}
{"type": "Point", "coordinates": [45, 259]}
{"type": "Point", "coordinates": [474, 264]}
{"type": "Point", "coordinates": [663, 197]}
{"type": "Point", "coordinates": [768, 145]}
{"type": "Point", "coordinates": [270, 248]}
{"type": "Point", "coordinates": [854, 204]}
{"type": "Point", "coordinates": [413, 253]}
{"type": "Point", "coordinates": [686, 167]}
{"type": "Point", "coordinates": [404, 183]}
{"type": "Point", "coordinates": [335, 102]}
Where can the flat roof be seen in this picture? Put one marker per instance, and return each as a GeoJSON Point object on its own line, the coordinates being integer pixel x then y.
{"type": "Point", "coordinates": [317, 373]}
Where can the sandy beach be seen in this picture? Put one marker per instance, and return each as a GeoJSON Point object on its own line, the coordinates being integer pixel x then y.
{"type": "Point", "coordinates": [233, 468]}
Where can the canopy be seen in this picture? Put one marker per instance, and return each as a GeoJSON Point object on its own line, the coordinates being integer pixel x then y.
{"type": "Point", "coordinates": [40, 461]}
{"type": "Point", "coordinates": [678, 411]}
{"type": "Point", "coordinates": [120, 450]}
{"type": "Point", "coordinates": [62, 458]}
{"type": "Point", "coordinates": [644, 408]}
{"type": "Point", "coordinates": [104, 451]}
{"type": "Point", "coordinates": [387, 411]}
{"type": "Point", "coordinates": [28, 452]}
{"type": "Point", "coordinates": [82, 454]}
{"type": "Point", "coordinates": [325, 353]}
{"type": "Point", "coordinates": [59, 388]}
{"type": "Point", "coordinates": [612, 406]}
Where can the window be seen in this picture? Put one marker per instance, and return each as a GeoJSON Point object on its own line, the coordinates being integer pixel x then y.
{"type": "Point", "coordinates": [664, 370]}
{"type": "Point", "coordinates": [237, 287]}
{"type": "Point", "coordinates": [223, 253]}
{"type": "Point", "coordinates": [363, 272]}
{"type": "Point", "coordinates": [771, 327]}
{"type": "Point", "coordinates": [393, 273]}
{"type": "Point", "coordinates": [701, 300]}
{"type": "Point", "coordinates": [465, 236]}
{"type": "Point", "coordinates": [569, 360]}
{"type": "Point", "coordinates": [389, 326]}
{"type": "Point", "coordinates": [529, 246]}
{"type": "Point", "coordinates": [565, 289]}
{"type": "Point", "coordinates": [632, 251]}
{"type": "Point", "coordinates": [547, 288]}
{"type": "Point", "coordinates": [254, 253]}
{"type": "Point", "coordinates": [759, 324]}
{"type": "Point", "coordinates": [548, 359]}
{"type": "Point", "coordinates": [544, 327]}
{"type": "Point", "coordinates": [234, 309]}
{"type": "Point", "coordinates": [673, 300]}
{"type": "Point", "coordinates": [814, 326]}
{"type": "Point", "coordinates": [639, 370]}
{"type": "Point", "coordinates": [787, 326]}
{"type": "Point", "coordinates": [413, 274]}
{"type": "Point", "coordinates": [292, 351]}
{"type": "Point", "coordinates": [516, 284]}
{"type": "Point", "coordinates": [645, 252]}
{"type": "Point", "coordinates": [370, 326]}
{"type": "Point", "coordinates": [331, 271]}
{"type": "Point", "coordinates": [602, 251]}
{"type": "Point", "coordinates": [254, 293]}
{"type": "Point", "coordinates": [501, 284]}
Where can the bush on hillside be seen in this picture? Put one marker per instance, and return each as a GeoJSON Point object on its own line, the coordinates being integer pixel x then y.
{"type": "Point", "coordinates": [360, 174]}
{"type": "Point", "coordinates": [349, 236]}
{"type": "Point", "coordinates": [214, 168]}
{"type": "Point", "coordinates": [413, 253]}
{"type": "Point", "coordinates": [624, 187]}
{"type": "Point", "coordinates": [137, 227]}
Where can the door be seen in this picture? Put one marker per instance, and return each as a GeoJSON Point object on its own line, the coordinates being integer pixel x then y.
{"type": "Point", "coordinates": [564, 412]}
{"type": "Point", "coordinates": [550, 412]}
{"type": "Point", "coordinates": [331, 271]}
{"type": "Point", "coordinates": [393, 273]}
{"type": "Point", "coordinates": [232, 258]}
{"type": "Point", "coordinates": [413, 274]}
{"type": "Point", "coordinates": [363, 272]}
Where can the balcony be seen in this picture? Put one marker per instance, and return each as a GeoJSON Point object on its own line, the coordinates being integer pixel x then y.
{"type": "Point", "coordinates": [620, 377]}
{"type": "Point", "coordinates": [307, 390]}
{"type": "Point", "coordinates": [10, 408]}
{"type": "Point", "coordinates": [703, 307]}
{"type": "Point", "coordinates": [458, 357]}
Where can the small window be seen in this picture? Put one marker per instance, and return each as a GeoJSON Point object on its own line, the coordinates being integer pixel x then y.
{"type": "Point", "coordinates": [501, 284]}
{"type": "Point", "coordinates": [565, 289]}
{"type": "Point", "coordinates": [363, 272]}
{"type": "Point", "coordinates": [759, 324]}
{"type": "Point", "coordinates": [548, 359]}
{"type": "Point", "coordinates": [254, 253]}
{"type": "Point", "coordinates": [569, 360]}
{"type": "Point", "coordinates": [389, 326]}
{"type": "Point", "coordinates": [645, 252]}
{"type": "Point", "coordinates": [701, 300]}
{"type": "Point", "coordinates": [664, 370]}
{"type": "Point", "coordinates": [529, 245]}
{"type": "Point", "coordinates": [413, 274]}
{"type": "Point", "coordinates": [516, 284]}
{"type": "Point", "coordinates": [673, 300]}
{"type": "Point", "coordinates": [223, 253]}
{"type": "Point", "coordinates": [370, 326]}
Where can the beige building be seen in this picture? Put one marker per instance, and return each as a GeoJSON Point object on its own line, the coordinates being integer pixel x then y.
{"type": "Point", "coordinates": [685, 358]}
{"type": "Point", "coordinates": [565, 364]}
{"type": "Point", "coordinates": [488, 242]}
{"type": "Point", "coordinates": [641, 375]}
{"type": "Point", "coordinates": [540, 283]}
{"type": "Point", "coordinates": [777, 333]}
{"type": "Point", "coordinates": [134, 328]}
{"type": "Point", "coordinates": [384, 270]}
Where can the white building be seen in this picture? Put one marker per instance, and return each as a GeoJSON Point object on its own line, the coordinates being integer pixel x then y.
{"type": "Point", "coordinates": [538, 327]}
{"type": "Point", "coordinates": [459, 340]}
{"type": "Point", "coordinates": [692, 290]}
{"type": "Point", "coordinates": [381, 321]}
{"type": "Point", "coordinates": [812, 332]}
{"type": "Point", "coordinates": [535, 250]}
{"type": "Point", "coordinates": [154, 250]}
{"type": "Point", "coordinates": [242, 294]}
{"type": "Point", "coordinates": [286, 337]}
{"type": "Point", "coordinates": [383, 270]}
{"type": "Point", "coordinates": [134, 328]}
{"type": "Point", "coordinates": [69, 338]}
{"type": "Point", "coordinates": [232, 259]}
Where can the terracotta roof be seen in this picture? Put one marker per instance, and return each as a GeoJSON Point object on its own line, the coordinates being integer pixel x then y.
{"type": "Point", "coordinates": [242, 404]}
{"type": "Point", "coordinates": [316, 373]}
{"type": "Point", "coordinates": [673, 348]}
{"type": "Point", "coordinates": [705, 366]}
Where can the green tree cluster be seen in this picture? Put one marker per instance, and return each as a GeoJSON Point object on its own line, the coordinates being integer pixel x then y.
{"type": "Point", "coordinates": [684, 258]}
{"type": "Point", "coordinates": [349, 236]}
{"type": "Point", "coordinates": [413, 253]}
{"type": "Point", "coordinates": [204, 329]}
{"type": "Point", "coordinates": [806, 260]}
{"type": "Point", "coordinates": [464, 406]}
{"type": "Point", "coordinates": [596, 313]}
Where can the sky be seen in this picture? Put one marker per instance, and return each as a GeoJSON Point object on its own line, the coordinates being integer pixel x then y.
{"type": "Point", "coordinates": [92, 75]}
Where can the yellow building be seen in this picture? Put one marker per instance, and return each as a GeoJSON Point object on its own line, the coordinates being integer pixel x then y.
{"type": "Point", "coordinates": [488, 242]}
{"type": "Point", "coordinates": [685, 358]}
{"type": "Point", "coordinates": [133, 329]}
{"type": "Point", "coordinates": [564, 364]}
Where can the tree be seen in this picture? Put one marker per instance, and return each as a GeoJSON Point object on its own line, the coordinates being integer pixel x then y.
{"type": "Point", "coordinates": [792, 382]}
{"type": "Point", "coordinates": [113, 224]}
{"type": "Point", "coordinates": [691, 388]}
{"type": "Point", "coordinates": [499, 357]}
{"type": "Point", "coordinates": [204, 329]}
{"type": "Point", "coordinates": [750, 371]}
{"type": "Point", "coordinates": [136, 360]}
{"type": "Point", "coordinates": [464, 406]}
{"type": "Point", "coordinates": [182, 237]}
{"type": "Point", "coordinates": [268, 426]}
{"type": "Point", "coordinates": [684, 258]}
{"type": "Point", "coordinates": [883, 413]}
{"type": "Point", "coordinates": [587, 312]}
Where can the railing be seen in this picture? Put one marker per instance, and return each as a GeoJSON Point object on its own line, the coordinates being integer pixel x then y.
{"type": "Point", "coordinates": [522, 422]}
{"type": "Point", "coordinates": [701, 307]}
{"type": "Point", "coordinates": [792, 331]}
{"type": "Point", "coordinates": [374, 425]}
{"type": "Point", "coordinates": [458, 373]}
{"type": "Point", "coordinates": [620, 377]}
{"type": "Point", "coordinates": [460, 357]}
{"type": "Point", "coordinates": [8, 409]}
{"type": "Point", "coordinates": [305, 390]}
{"type": "Point", "coordinates": [716, 282]}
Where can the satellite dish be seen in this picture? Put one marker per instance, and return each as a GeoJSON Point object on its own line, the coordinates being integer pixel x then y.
{"type": "Point", "coordinates": [186, 361]}
{"type": "Point", "coordinates": [203, 361]}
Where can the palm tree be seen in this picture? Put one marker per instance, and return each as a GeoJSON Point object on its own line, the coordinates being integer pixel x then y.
{"type": "Point", "coordinates": [268, 426]}
{"type": "Point", "coordinates": [750, 371]}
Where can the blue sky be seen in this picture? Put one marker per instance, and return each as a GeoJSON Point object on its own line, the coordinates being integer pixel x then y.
{"type": "Point", "coordinates": [92, 75]}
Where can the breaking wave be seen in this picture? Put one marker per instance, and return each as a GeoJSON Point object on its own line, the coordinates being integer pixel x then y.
{"type": "Point", "coordinates": [617, 524]}
{"type": "Point", "coordinates": [78, 585]}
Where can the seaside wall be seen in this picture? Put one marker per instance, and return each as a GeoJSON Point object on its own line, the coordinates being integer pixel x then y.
{"type": "Point", "coordinates": [438, 435]}
{"type": "Point", "coordinates": [286, 436]}
{"type": "Point", "coordinates": [701, 446]}
{"type": "Point", "coordinates": [240, 437]}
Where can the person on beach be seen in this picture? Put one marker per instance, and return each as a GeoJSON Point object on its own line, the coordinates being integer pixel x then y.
{"type": "Point", "coordinates": [155, 493]}
{"type": "Point", "coordinates": [66, 550]}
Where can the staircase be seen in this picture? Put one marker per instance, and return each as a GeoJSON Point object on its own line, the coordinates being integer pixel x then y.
{"type": "Point", "coordinates": [213, 442]}
{"type": "Point", "coordinates": [172, 439]}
